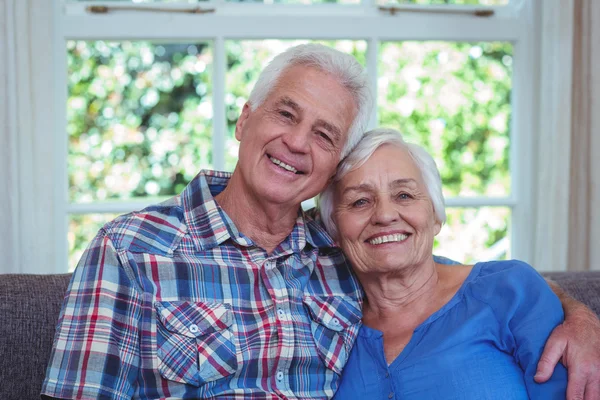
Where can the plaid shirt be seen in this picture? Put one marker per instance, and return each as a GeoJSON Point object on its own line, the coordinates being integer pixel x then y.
{"type": "Point", "coordinates": [174, 302]}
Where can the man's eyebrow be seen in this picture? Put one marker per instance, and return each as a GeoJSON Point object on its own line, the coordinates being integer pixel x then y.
{"type": "Point", "coordinates": [286, 101]}
{"type": "Point", "coordinates": [334, 130]}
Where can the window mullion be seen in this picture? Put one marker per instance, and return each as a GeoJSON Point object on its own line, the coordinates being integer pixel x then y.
{"type": "Point", "coordinates": [219, 120]}
{"type": "Point", "coordinates": [372, 62]}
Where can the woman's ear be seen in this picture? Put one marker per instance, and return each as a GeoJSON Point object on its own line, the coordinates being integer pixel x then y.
{"type": "Point", "coordinates": [437, 227]}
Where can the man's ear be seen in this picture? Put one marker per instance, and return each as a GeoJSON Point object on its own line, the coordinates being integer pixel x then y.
{"type": "Point", "coordinates": [239, 125]}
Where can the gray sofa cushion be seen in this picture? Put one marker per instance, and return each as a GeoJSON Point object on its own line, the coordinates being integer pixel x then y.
{"type": "Point", "coordinates": [30, 304]}
{"type": "Point", "coordinates": [584, 286]}
{"type": "Point", "coordinates": [29, 308]}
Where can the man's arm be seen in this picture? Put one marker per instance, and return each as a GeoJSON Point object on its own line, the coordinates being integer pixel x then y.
{"type": "Point", "coordinates": [576, 343]}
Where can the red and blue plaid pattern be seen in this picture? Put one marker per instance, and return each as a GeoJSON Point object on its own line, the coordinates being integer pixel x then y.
{"type": "Point", "coordinates": [174, 302]}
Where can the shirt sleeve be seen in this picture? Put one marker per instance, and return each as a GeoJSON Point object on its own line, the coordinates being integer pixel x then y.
{"type": "Point", "coordinates": [528, 311]}
{"type": "Point", "coordinates": [96, 345]}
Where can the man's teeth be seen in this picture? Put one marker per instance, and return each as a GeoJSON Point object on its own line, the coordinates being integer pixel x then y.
{"type": "Point", "coordinates": [396, 237]}
{"type": "Point", "coordinates": [283, 165]}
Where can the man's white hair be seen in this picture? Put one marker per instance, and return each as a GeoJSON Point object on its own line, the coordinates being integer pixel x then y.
{"type": "Point", "coordinates": [365, 148]}
{"type": "Point", "coordinates": [344, 67]}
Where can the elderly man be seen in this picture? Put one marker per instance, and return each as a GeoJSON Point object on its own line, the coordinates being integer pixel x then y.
{"type": "Point", "coordinates": [229, 290]}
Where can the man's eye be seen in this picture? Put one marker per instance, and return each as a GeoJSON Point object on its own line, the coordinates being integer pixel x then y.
{"type": "Point", "coordinates": [325, 136]}
{"type": "Point", "coordinates": [286, 114]}
{"type": "Point", "coordinates": [404, 196]}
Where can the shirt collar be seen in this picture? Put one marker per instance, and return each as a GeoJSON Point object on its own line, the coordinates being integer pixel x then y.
{"type": "Point", "coordinates": [210, 226]}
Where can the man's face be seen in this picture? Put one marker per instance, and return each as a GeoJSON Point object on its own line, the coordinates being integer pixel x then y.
{"type": "Point", "coordinates": [291, 144]}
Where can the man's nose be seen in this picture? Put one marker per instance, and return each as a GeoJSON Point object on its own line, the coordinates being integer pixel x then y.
{"type": "Point", "coordinates": [297, 139]}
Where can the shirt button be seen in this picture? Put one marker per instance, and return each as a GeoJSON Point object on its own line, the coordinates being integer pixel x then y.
{"type": "Point", "coordinates": [387, 374]}
{"type": "Point", "coordinates": [279, 375]}
{"type": "Point", "coordinates": [390, 395]}
{"type": "Point", "coordinates": [194, 328]}
{"type": "Point", "coordinates": [335, 321]}
{"type": "Point", "coordinates": [281, 313]}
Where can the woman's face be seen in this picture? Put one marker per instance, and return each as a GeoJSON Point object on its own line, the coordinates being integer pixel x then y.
{"type": "Point", "coordinates": [384, 215]}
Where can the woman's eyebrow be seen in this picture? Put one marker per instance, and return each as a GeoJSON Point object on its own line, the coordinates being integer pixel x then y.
{"type": "Point", "coordinates": [364, 187]}
{"type": "Point", "coordinates": [404, 182]}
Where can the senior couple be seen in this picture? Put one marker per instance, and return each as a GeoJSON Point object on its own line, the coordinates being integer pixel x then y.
{"type": "Point", "coordinates": [229, 290]}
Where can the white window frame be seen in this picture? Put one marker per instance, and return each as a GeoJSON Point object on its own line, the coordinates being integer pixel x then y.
{"type": "Point", "coordinates": [515, 23]}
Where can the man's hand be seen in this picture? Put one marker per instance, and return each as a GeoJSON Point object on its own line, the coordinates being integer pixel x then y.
{"type": "Point", "coordinates": [576, 343]}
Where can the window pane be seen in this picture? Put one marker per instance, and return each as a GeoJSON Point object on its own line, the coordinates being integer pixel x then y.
{"type": "Point", "coordinates": [245, 61]}
{"type": "Point", "coordinates": [148, 1]}
{"type": "Point", "coordinates": [454, 99]}
{"type": "Point", "coordinates": [446, 2]}
{"type": "Point", "coordinates": [306, 2]}
{"type": "Point", "coordinates": [139, 118]}
{"type": "Point", "coordinates": [82, 229]}
{"type": "Point", "coordinates": [475, 234]}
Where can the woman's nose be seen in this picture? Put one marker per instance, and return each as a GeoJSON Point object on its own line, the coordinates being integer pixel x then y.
{"type": "Point", "coordinates": [385, 212]}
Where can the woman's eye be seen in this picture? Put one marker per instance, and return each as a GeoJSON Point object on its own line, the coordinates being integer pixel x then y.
{"type": "Point", "coordinates": [404, 196]}
{"type": "Point", "coordinates": [359, 203]}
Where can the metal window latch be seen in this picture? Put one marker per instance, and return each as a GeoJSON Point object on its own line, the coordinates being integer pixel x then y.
{"type": "Point", "coordinates": [107, 9]}
{"type": "Point", "coordinates": [477, 13]}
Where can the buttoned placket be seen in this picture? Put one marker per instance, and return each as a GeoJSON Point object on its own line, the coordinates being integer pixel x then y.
{"type": "Point", "coordinates": [285, 328]}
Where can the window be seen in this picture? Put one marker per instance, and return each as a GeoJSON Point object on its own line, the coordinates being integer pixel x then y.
{"type": "Point", "coordinates": [152, 93]}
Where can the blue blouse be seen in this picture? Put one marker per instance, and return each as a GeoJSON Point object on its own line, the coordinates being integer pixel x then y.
{"type": "Point", "coordinates": [485, 343]}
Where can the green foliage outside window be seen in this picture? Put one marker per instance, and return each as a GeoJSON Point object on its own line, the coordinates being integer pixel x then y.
{"type": "Point", "coordinates": [140, 122]}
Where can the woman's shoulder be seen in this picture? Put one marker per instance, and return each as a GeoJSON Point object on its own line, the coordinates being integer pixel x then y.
{"type": "Point", "coordinates": [506, 277]}
{"type": "Point", "coordinates": [506, 268]}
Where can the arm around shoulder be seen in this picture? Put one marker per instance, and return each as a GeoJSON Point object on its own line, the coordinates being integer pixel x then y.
{"type": "Point", "coordinates": [576, 343]}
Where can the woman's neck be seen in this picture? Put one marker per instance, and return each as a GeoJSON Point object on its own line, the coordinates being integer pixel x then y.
{"type": "Point", "coordinates": [390, 295]}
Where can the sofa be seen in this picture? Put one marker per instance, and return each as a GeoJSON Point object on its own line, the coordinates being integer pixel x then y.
{"type": "Point", "coordinates": [30, 304]}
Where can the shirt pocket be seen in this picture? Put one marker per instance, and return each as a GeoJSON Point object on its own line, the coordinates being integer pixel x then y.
{"type": "Point", "coordinates": [195, 344]}
{"type": "Point", "coordinates": [334, 325]}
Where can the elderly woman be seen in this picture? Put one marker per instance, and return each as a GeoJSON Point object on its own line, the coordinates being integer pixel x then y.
{"type": "Point", "coordinates": [430, 331]}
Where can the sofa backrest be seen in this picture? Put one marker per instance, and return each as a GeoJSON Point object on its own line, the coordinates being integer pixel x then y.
{"type": "Point", "coordinates": [30, 305]}
{"type": "Point", "coordinates": [29, 308]}
{"type": "Point", "coordinates": [583, 286]}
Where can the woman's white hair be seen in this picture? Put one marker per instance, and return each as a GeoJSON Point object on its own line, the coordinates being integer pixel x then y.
{"type": "Point", "coordinates": [344, 67]}
{"type": "Point", "coordinates": [365, 148]}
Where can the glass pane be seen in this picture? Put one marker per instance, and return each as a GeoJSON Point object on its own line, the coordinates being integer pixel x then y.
{"type": "Point", "coordinates": [304, 2]}
{"type": "Point", "coordinates": [149, 1]}
{"type": "Point", "coordinates": [139, 118]}
{"type": "Point", "coordinates": [446, 2]}
{"type": "Point", "coordinates": [245, 61]}
{"type": "Point", "coordinates": [82, 229]}
{"type": "Point", "coordinates": [475, 234]}
{"type": "Point", "coordinates": [454, 99]}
